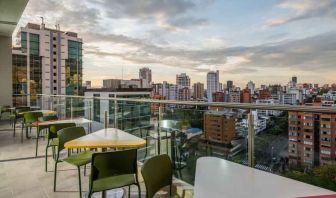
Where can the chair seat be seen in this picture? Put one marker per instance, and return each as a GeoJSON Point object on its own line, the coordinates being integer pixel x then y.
{"type": "Point", "coordinates": [113, 182]}
{"type": "Point", "coordinates": [54, 142]}
{"type": "Point", "coordinates": [79, 159]}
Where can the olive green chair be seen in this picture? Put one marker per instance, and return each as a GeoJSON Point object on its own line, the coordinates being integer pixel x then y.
{"type": "Point", "coordinates": [30, 120]}
{"type": "Point", "coordinates": [18, 116]}
{"type": "Point", "coordinates": [112, 170]}
{"type": "Point", "coordinates": [52, 138]}
{"type": "Point", "coordinates": [79, 159]}
{"type": "Point", "coordinates": [157, 173]}
{"type": "Point", "coordinates": [4, 109]}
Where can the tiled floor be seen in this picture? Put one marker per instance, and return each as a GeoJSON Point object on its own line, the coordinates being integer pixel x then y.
{"type": "Point", "coordinates": [23, 175]}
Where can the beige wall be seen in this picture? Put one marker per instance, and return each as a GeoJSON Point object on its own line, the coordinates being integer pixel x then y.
{"type": "Point", "coordinates": [5, 70]}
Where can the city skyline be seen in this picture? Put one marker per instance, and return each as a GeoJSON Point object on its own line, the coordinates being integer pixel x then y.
{"type": "Point", "coordinates": [267, 42]}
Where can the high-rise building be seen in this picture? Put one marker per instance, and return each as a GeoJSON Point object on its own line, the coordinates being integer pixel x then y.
{"type": "Point", "coordinates": [184, 94]}
{"type": "Point", "coordinates": [145, 75]}
{"type": "Point", "coordinates": [218, 96]}
{"type": "Point", "coordinates": [294, 79]}
{"type": "Point", "coordinates": [212, 84]}
{"type": "Point", "coordinates": [234, 96]}
{"type": "Point", "coordinates": [154, 106]}
{"type": "Point", "coordinates": [220, 126]}
{"type": "Point", "coordinates": [88, 84]}
{"type": "Point", "coordinates": [264, 94]}
{"type": "Point", "coordinates": [173, 92]}
{"type": "Point", "coordinates": [198, 91]}
{"type": "Point", "coordinates": [251, 86]}
{"type": "Point", "coordinates": [111, 83]}
{"type": "Point", "coordinates": [229, 85]}
{"type": "Point", "coordinates": [183, 80]}
{"type": "Point", "coordinates": [53, 62]}
{"type": "Point", "coordinates": [311, 138]}
{"type": "Point", "coordinates": [246, 96]}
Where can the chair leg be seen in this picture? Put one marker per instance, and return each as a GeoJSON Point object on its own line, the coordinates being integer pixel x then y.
{"type": "Point", "coordinates": [79, 182]}
{"type": "Point", "coordinates": [129, 191]}
{"type": "Point", "coordinates": [139, 190]}
{"type": "Point", "coordinates": [46, 159]}
{"type": "Point", "coordinates": [84, 169]}
{"type": "Point", "coordinates": [55, 174]}
{"type": "Point", "coordinates": [22, 134]}
{"type": "Point", "coordinates": [170, 190]}
{"type": "Point", "coordinates": [37, 137]}
{"type": "Point", "coordinates": [14, 123]}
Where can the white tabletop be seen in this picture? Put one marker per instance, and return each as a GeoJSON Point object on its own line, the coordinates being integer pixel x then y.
{"type": "Point", "coordinates": [77, 121]}
{"type": "Point", "coordinates": [218, 178]}
{"type": "Point", "coordinates": [107, 138]}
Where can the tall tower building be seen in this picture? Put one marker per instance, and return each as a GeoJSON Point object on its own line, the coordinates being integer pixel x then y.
{"type": "Point", "coordinates": [145, 75]}
{"type": "Point", "coordinates": [198, 91]}
{"type": "Point", "coordinates": [183, 80]}
{"type": "Point", "coordinates": [229, 85]}
{"type": "Point", "coordinates": [212, 84]}
{"type": "Point", "coordinates": [52, 62]}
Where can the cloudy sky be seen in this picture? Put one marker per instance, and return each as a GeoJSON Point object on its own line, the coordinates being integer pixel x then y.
{"type": "Point", "coordinates": [266, 41]}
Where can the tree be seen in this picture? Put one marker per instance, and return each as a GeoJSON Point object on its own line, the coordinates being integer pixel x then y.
{"type": "Point", "coordinates": [326, 171]}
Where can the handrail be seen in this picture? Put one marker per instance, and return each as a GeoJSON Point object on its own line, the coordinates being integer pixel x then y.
{"type": "Point", "coordinates": [248, 106]}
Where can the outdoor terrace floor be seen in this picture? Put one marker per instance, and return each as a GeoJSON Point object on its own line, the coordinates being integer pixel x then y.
{"type": "Point", "coordinates": [23, 175]}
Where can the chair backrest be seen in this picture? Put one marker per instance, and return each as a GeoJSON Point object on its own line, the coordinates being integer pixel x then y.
{"type": "Point", "coordinates": [157, 173]}
{"type": "Point", "coordinates": [54, 128]}
{"type": "Point", "coordinates": [113, 163]}
{"type": "Point", "coordinates": [20, 110]}
{"type": "Point", "coordinates": [68, 134]}
{"type": "Point", "coordinates": [50, 117]}
{"type": "Point", "coordinates": [30, 117]}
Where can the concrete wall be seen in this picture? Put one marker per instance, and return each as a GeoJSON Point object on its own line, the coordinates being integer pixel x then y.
{"type": "Point", "coordinates": [5, 71]}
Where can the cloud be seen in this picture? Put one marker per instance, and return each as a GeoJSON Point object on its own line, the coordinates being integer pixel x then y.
{"type": "Point", "coordinates": [304, 9]}
{"type": "Point", "coordinates": [168, 14]}
{"type": "Point", "coordinates": [312, 53]}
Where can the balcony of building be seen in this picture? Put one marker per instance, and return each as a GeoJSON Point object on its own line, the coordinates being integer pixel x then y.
{"type": "Point", "coordinates": [177, 129]}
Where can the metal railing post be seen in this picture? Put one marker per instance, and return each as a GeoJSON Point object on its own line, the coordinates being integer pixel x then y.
{"type": "Point", "coordinates": [105, 120]}
{"type": "Point", "coordinates": [71, 112]}
{"type": "Point", "coordinates": [115, 114]}
{"type": "Point", "coordinates": [250, 136]}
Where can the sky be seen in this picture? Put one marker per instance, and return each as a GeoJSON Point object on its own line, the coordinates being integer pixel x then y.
{"type": "Point", "coordinates": [266, 41]}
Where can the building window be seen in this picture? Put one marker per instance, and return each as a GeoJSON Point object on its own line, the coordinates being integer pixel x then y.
{"type": "Point", "coordinates": [54, 46]}
{"type": "Point", "coordinates": [54, 38]}
{"type": "Point", "coordinates": [55, 88]}
{"type": "Point", "coordinates": [55, 81]}
{"type": "Point", "coordinates": [54, 59]}
{"type": "Point", "coordinates": [54, 53]}
{"type": "Point", "coordinates": [54, 74]}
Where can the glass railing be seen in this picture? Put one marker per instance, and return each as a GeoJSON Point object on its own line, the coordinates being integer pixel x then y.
{"type": "Point", "coordinates": [292, 141]}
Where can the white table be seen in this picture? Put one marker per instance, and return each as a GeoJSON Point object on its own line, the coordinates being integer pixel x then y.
{"type": "Point", "coordinates": [77, 121]}
{"type": "Point", "coordinates": [218, 178]}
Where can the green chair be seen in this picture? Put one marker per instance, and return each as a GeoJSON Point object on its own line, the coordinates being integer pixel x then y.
{"type": "Point", "coordinates": [52, 138]}
{"type": "Point", "coordinates": [112, 170]}
{"type": "Point", "coordinates": [4, 109]}
{"type": "Point", "coordinates": [157, 173]}
{"type": "Point", "coordinates": [18, 116]}
{"type": "Point", "coordinates": [30, 120]}
{"type": "Point", "coordinates": [78, 160]}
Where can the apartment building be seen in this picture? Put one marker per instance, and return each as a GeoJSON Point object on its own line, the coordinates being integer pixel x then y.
{"type": "Point", "coordinates": [220, 126]}
{"type": "Point", "coordinates": [198, 91]}
{"type": "Point", "coordinates": [218, 96]}
{"type": "Point", "coordinates": [145, 75]}
{"type": "Point", "coordinates": [49, 61]}
{"type": "Point", "coordinates": [312, 139]}
{"type": "Point", "coordinates": [245, 96]}
{"type": "Point", "coordinates": [212, 84]}
{"type": "Point", "coordinates": [234, 96]}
